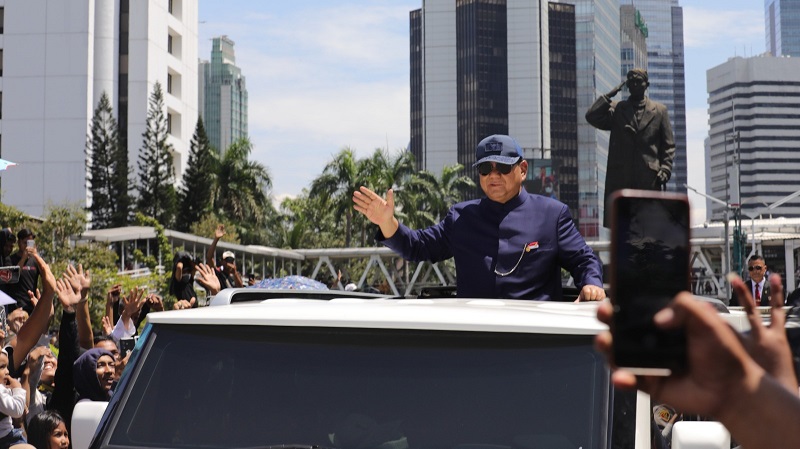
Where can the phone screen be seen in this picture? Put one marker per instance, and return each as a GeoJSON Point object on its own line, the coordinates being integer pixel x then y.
{"type": "Point", "coordinates": [650, 265]}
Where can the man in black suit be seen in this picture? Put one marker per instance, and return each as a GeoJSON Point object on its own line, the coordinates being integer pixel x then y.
{"type": "Point", "coordinates": [758, 284]}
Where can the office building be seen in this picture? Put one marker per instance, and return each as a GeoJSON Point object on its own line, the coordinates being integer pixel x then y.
{"type": "Point", "coordinates": [598, 65]}
{"type": "Point", "coordinates": [563, 109]}
{"type": "Point", "coordinates": [665, 67]}
{"type": "Point", "coordinates": [633, 39]}
{"type": "Point", "coordinates": [59, 57]}
{"type": "Point", "coordinates": [223, 95]}
{"type": "Point", "coordinates": [783, 27]}
{"type": "Point", "coordinates": [478, 67]}
{"type": "Point", "coordinates": [753, 117]}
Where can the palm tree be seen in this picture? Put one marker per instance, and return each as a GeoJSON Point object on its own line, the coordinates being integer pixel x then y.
{"type": "Point", "coordinates": [335, 186]}
{"type": "Point", "coordinates": [242, 189]}
{"type": "Point", "coordinates": [440, 193]}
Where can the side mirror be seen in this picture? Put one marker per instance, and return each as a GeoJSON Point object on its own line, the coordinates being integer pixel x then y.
{"type": "Point", "coordinates": [85, 419]}
{"type": "Point", "coordinates": [700, 435]}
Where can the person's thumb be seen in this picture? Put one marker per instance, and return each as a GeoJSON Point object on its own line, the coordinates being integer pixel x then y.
{"type": "Point", "coordinates": [390, 198]}
{"type": "Point", "coordinates": [192, 301]}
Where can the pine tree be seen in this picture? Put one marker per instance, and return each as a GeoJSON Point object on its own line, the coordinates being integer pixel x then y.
{"type": "Point", "coordinates": [107, 165]}
{"type": "Point", "coordinates": [196, 194]}
{"type": "Point", "coordinates": [157, 197]}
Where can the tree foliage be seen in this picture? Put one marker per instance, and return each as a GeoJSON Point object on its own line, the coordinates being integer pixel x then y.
{"type": "Point", "coordinates": [195, 197]}
{"type": "Point", "coordinates": [156, 190]}
{"type": "Point", "coordinates": [242, 191]}
{"type": "Point", "coordinates": [107, 166]}
{"type": "Point", "coordinates": [333, 189]}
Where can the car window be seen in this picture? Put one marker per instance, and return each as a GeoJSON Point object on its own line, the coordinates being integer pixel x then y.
{"type": "Point", "coordinates": [218, 386]}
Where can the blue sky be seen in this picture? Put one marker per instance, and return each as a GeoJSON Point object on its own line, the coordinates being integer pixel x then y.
{"type": "Point", "coordinates": [325, 74]}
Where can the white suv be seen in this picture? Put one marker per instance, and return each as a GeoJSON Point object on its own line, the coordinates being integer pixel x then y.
{"type": "Point", "coordinates": [375, 373]}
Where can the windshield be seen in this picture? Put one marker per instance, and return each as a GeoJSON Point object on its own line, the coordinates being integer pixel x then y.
{"type": "Point", "coordinates": [217, 386]}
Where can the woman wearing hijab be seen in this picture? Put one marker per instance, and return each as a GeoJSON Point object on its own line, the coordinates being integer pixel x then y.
{"type": "Point", "coordinates": [93, 374]}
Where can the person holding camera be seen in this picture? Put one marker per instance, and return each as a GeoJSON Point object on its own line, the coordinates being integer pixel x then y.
{"type": "Point", "coordinates": [745, 382]}
{"type": "Point", "coordinates": [28, 274]}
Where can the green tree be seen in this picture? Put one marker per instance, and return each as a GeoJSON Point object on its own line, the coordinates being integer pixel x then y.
{"type": "Point", "coordinates": [335, 186]}
{"type": "Point", "coordinates": [107, 166]}
{"type": "Point", "coordinates": [195, 197]}
{"type": "Point", "coordinates": [241, 192]}
{"type": "Point", "coordinates": [440, 193]}
{"type": "Point", "coordinates": [11, 217]}
{"type": "Point", "coordinates": [157, 197]}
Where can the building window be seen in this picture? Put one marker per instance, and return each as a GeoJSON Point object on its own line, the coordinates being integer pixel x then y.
{"type": "Point", "coordinates": [169, 43]}
{"type": "Point", "coordinates": [169, 83]}
{"type": "Point", "coordinates": [174, 8]}
{"type": "Point", "coordinates": [1, 62]}
{"type": "Point", "coordinates": [169, 122]}
{"type": "Point", "coordinates": [2, 18]}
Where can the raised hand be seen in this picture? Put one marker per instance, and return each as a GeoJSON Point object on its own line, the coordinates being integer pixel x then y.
{"type": "Point", "coordinates": [34, 296]}
{"type": "Point", "coordinates": [108, 325]}
{"type": "Point", "coordinates": [206, 277]}
{"type": "Point", "coordinates": [376, 209]}
{"type": "Point", "coordinates": [132, 303]}
{"type": "Point", "coordinates": [219, 232]}
{"type": "Point", "coordinates": [615, 90]}
{"type": "Point", "coordinates": [66, 295]}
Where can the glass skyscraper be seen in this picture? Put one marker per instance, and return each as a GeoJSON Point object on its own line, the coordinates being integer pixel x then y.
{"type": "Point", "coordinates": [783, 27]}
{"type": "Point", "coordinates": [665, 68]}
{"type": "Point", "coordinates": [223, 95]}
{"type": "Point", "coordinates": [597, 33]}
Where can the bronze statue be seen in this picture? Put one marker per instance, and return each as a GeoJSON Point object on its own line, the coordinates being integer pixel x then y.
{"type": "Point", "coordinates": [641, 146]}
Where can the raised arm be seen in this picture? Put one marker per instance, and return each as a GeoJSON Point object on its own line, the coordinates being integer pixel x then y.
{"type": "Point", "coordinates": [80, 282]}
{"type": "Point", "coordinates": [36, 325]}
{"type": "Point", "coordinates": [218, 234]}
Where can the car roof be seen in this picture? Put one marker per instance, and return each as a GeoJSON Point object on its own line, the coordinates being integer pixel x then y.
{"type": "Point", "coordinates": [483, 315]}
{"type": "Point", "coordinates": [442, 314]}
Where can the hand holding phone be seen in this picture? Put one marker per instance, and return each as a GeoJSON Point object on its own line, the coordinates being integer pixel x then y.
{"type": "Point", "coordinates": [649, 266]}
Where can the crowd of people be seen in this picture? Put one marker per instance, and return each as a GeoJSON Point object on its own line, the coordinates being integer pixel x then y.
{"type": "Point", "coordinates": [41, 383]}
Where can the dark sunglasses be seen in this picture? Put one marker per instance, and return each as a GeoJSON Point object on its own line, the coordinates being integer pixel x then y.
{"type": "Point", "coordinates": [228, 259]}
{"type": "Point", "coordinates": [755, 267]}
{"type": "Point", "coordinates": [484, 168]}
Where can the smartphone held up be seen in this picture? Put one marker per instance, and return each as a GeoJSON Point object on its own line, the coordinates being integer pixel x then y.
{"type": "Point", "coordinates": [649, 265]}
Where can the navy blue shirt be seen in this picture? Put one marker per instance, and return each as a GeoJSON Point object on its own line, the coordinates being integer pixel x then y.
{"type": "Point", "coordinates": [505, 250]}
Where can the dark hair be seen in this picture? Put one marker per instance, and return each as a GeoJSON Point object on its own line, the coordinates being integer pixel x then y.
{"type": "Point", "coordinates": [99, 338]}
{"type": "Point", "coordinates": [756, 257]}
{"type": "Point", "coordinates": [41, 426]}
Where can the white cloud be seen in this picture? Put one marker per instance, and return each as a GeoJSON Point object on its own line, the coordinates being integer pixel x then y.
{"type": "Point", "coordinates": [712, 28]}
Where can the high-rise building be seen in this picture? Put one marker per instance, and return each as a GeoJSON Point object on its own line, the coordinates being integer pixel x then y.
{"type": "Point", "coordinates": [223, 95]}
{"type": "Point", "coordinates": [633, 39]}
{"type": "Point", "coordinates": [783, 27]}
{"type": "Point", "coordinates": [58, 58]}
{"type": "Point", "coordinates": [478, 67]}
{"type": "Point", "coordinates": [753, 104]}
{"type": "Point", "coordinates": [665, 67]}
{"type": "Point", "coordinates": [563, 108]}
{"type": "Point", "coordinates": [598, 65]}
